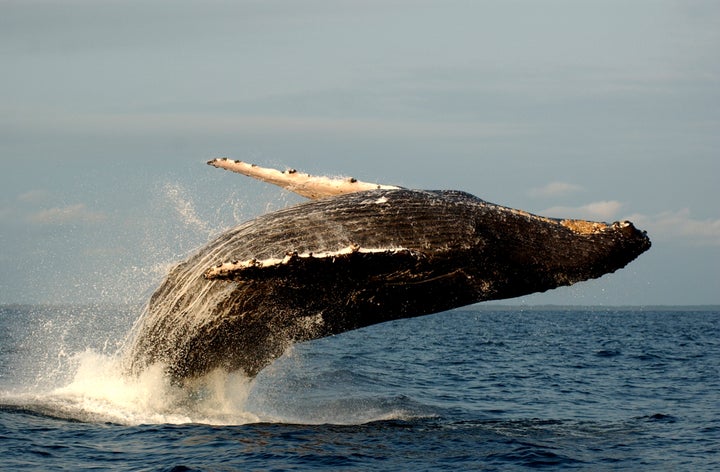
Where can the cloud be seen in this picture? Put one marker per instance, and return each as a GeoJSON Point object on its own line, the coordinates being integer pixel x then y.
{"type": "Point", "coordinates": [6, 211]}
{"type": "Point", "coordinates": [142, 124]}
{"type": "Point", "coordinates": [602, 210]}
{"type": "Point", "coordinates": [33, 196]}
{"type": "Point", "coordinates": [78, 213]}
{"type": "Point", "coordinates": [679, 225]}
{"type": "Point", "coordinates": [554, 189]}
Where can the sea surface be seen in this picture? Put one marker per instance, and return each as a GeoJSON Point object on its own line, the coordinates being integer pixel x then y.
{"type": "Point", "coordinates": [481, 388]}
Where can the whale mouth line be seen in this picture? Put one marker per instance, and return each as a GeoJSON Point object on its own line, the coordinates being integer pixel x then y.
{"type": "Point", "coordinates": [228, 269]}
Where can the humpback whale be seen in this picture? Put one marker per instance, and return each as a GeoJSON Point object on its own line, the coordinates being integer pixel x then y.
{"type": "Point", "coordinates": [356, 254]}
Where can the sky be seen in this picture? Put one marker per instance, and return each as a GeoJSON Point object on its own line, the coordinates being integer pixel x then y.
{"type": "Point", "coordinates": [603, 110]}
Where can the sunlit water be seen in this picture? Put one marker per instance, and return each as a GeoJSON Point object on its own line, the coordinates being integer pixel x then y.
{"type": "Point", "coordinates": [479, 388]}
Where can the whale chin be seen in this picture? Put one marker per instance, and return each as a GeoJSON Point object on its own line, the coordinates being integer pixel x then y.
{"type": "Point", "coordinates": [355, 258]}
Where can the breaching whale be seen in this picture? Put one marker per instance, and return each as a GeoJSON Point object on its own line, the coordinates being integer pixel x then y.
{"type": "Point", "coordinates": [357, 254]}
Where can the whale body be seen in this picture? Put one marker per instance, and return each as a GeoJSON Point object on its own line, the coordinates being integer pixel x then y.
{"type": "Point", "coordinates": [346, 261]}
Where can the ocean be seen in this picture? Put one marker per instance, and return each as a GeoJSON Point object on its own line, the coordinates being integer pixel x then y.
{"type": "Point", "coordinates": [486, 387]}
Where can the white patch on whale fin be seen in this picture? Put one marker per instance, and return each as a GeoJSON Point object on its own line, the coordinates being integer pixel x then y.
{"type": "Point", "coordinates": [254, 268]}
{"type": "Point", "coordinates": [307, 185]}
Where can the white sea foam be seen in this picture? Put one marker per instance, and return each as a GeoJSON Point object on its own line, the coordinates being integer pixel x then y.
{"type": "Point", "coordinates": [100, 392]}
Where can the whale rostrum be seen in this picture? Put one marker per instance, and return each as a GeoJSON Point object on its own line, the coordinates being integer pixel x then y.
{"type": "Point", "coordinates": [357, 254]}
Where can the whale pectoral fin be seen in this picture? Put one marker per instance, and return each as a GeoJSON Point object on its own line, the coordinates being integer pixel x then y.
{"type": "Point", "coordinates": [360, 261]}
{"type": "Point", "coordinates": [303, 184]}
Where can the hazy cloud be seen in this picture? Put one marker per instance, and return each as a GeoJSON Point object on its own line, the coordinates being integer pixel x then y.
{"type": "Point", "coordinates": [554, 189]}
{"type": "Point", "coordinates": [78, 213]}
{"type": "Point", "coordinates": [679, 225]}
{"type": "Point", "coordinates": [33, 196]}
{"type": "Point", "coordinates": [141, 124]}
{"type": "Point", "coordinates": [602, 210]}
{"type": "Point", "coordinates": [5, 212]}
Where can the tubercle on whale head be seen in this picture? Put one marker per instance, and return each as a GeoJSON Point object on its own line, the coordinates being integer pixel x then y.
{"type": "Point", "coordinates": [614, 245]}
{"type": "Point", "coordinates": [628, 229]}
{"type": "Point", "coordinates": [584, 227]}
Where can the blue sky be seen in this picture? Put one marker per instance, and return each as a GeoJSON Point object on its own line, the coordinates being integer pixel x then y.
{"type": "Point", "coordinates": [109, 109]}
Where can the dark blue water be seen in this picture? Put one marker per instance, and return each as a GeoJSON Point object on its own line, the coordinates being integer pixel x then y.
{"type": "Point", "coordinates": [484, 388]}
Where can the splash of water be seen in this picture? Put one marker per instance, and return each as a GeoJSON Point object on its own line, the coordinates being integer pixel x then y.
{"type": "Point", "coordinates": [184, 207]}
{"type": "Point", "coordinates": [101, 392]}
{"type": "Point", "coordinates": [75, 368]}
{"type": "Point", "coordinates": [73, 365]}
